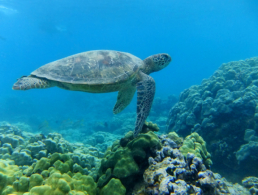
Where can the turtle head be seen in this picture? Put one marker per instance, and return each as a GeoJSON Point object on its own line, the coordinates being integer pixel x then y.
{"type": "Point", "coordinates": [156, 62]}
{"type": "Point", "coordinates": [30, 82]}
{"type": "Point", "coordinates": [21, 83]}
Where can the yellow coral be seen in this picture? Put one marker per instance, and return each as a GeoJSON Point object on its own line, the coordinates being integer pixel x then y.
{"type": "Point", "coordinates": [62, 184]}
{"type": "Point", "coordinates": [84, 183]}
{"type": "Point", "coordinates": [8, 174]}
{"type": "Point", "coordinates": [40, 190]}
{"type": "Point", "coordinates": [57, 178]}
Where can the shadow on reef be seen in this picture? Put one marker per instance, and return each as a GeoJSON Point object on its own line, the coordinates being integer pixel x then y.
{"type": "Point", "coordinates": [224, 111]}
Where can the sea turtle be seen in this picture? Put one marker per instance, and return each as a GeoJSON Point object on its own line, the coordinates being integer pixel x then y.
{"type": "Point", "coordinates": [102, 71]}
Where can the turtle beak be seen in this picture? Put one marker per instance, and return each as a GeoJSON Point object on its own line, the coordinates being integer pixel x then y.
{"type": "Point", "coordinates": [166, 58]}
{"type": "Point", "coordinates": [19, 85]}
{"type": "Point", "coordinates": [16, 86]}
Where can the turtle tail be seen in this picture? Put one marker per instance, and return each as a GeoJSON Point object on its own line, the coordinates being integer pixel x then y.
{"type": "Point", "coordinates": [25, 83]}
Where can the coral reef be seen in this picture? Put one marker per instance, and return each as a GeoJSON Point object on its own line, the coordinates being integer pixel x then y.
{"type": "Point", "coordinates": [114, 187]}
{"type": "Point", "coordinates": [25, 149]}
{"type": "Point", "coordinates": [196, 145]}
{"type": "Point", "coordinates": [248, 150]}
{"type": "Point", "coordinates": [101, 140]}
{"type": "Point", "coordinates": [146, 165]}
{"type": "Point", "coordinates": [175, 137]}
{"type": "Point", "coordinates": [170, 173]}
{"type": "Point", "coordinates": [149, 126]}
{"type": "Point", "coordinates": [129, 162]}
{"type": "Point", "coordinates": [221, 109]}
{"type": "Point", "coordinates": [57, 174]}
{"type": "Point", "coordinates": [251, 183]}
{"type": "Point", "coordinates": [8, 174]}
{"type": "Point", "coordinates": [161, 106]}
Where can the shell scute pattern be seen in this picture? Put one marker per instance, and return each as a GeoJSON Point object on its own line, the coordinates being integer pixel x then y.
{"type": "Point", "coordinates": [93, 67]}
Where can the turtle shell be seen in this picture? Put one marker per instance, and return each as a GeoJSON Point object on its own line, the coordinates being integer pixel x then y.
{"type": "Point", "coordinates": [92, 67]}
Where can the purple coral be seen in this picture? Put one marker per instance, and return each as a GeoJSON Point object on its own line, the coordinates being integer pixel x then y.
{"type": "Point", "coordinates": [170, 173]}
{"type": "Point", "coordinates": [207, 181]}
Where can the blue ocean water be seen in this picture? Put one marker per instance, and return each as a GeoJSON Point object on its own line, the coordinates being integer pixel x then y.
{"type": "Point", "coordinates": [199, 35]}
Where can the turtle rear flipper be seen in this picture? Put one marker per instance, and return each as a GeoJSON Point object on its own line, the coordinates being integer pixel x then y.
{"type": "Point", "coordinates": [124, 98]}
{"type": "Point", "coordinates": [145, 96]}
{"type": "Point", "coordinates": [25, 83]}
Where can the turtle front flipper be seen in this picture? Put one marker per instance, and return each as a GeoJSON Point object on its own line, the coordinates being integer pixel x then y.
{"type": "Point", "coordinates": [145, 96]}
{"type": "Point", "coordinates": [124, 98]}
{"type": "Point", "coordinates": [25, 83]}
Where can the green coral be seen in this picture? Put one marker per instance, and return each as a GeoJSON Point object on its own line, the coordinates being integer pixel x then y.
{"type": "Point", "coordinates": [60, 162]}
{"type": "Point", "coordinates": [121, 162]}
{"type": "Point", "coordinates": [41, 165]}
{"type": "Point", "coordinates": [125, 165]}
{"type": "Point", "coordinates": [105, 178]}
{"type": "Point", "coordinates": [84, 183]}
{"type": "Point", "coordinates": [125, 140]}
{"type": "Point", "coordinates": [63, 167]}
{"type": "Point", "coordinates": [195, 144]}
{"type": "Point", "coordinates": [174, 136]}
{"type": "Point", "coordinates": [35, 180]}
{"type": "Point", "coordinates": [149, 126]}
{"type": "Point", "coordinates": [114, 187]}
{"type": "Point", "coordinates": [142, 144]}
{"type": "Point", "coordinates": [39, 190]}
{"type": "Point", "coordinates": [56, 178]}
{"type": "Point", "coordinates": [21, 185]}
{"type": "Point", "coordinates": [61, 184]}
{"type": "Point", "coordinates": [7, 190]}
{"type": "Point", "coordinates": [125, 162]}
{"type": "Point", "coordinates": [8, 174]}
